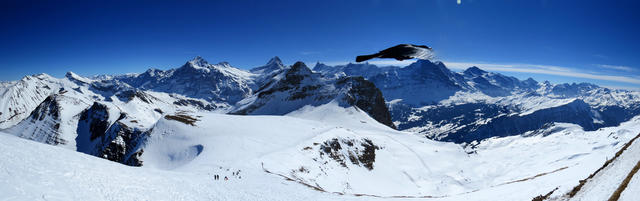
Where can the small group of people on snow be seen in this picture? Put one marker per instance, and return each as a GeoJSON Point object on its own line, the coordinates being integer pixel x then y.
{"type": "Point", "coordinates": [216, 177]}
{"type": "Point", "coordinates": [235, 174]}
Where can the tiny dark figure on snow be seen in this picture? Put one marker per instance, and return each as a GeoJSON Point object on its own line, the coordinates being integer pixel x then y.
{"type": "Point", "coordinates": [225, 178]}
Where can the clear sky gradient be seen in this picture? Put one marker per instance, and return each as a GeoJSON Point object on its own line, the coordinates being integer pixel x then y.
{"type": "Point", "coordinates": [560, 41]}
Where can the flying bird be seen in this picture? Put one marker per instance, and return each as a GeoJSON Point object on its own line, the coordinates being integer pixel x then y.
{"type": "Point", "coordinates": [400, 52]}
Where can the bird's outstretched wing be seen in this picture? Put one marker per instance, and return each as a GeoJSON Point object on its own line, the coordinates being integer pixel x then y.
{"type": "Point", "coordinates": [401, 52]}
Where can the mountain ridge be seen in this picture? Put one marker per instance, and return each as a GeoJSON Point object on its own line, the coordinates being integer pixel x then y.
{"type": "Point", "coordinates": [408, 94]}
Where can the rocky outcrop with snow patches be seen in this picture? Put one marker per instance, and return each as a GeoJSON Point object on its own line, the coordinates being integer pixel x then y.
{"type": "Point", "coordinates": [43, 124]}
{"type": "Point", "coordinates": [19, 98]}
{"type": "Point", "coordinates": [298, 86]}
{"type": "Point", "coordinates": [116, 141]}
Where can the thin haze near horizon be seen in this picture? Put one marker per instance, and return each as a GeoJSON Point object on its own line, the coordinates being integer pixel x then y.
{"type": "Point", "coordinates": [559, 41]}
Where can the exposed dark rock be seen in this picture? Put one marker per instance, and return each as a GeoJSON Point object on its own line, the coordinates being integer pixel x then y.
{"type": "Point", "coordinates": [48, 130]}
{"type": "Point", "coordinates": [129, 95]}
{"type": "Point", "coordinates": [113, 141]}
{"type": "Point", "coordinates": [195, 103]}
{"type": "Point", "coordinates": [96, 117]}
{"type": "Point", "coordinates": [363, 155]}
{"type": "Point", "coordinates": [186, 119]}
{"type": "Point", "coordinates": [48, 107]}
{"type": "Point", "coordinates": [332, 148]}
{"type": "Point", "coordinates": [124, 144]}
{"type": "Point", "coordinates": [366, 96]}
{"type": "Point", "coordinates": [368, 156]}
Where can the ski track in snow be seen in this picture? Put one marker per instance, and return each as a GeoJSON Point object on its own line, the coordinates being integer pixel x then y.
{"type": "Point", "coordinates": [632, 192]}
{"type": "Point", "coordinates": [412, 151]}
{"type": "Point", "coordinates": [605, 182]}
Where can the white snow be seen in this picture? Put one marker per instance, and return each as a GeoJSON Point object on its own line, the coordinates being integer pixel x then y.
{"type": "Point", "coordinates": [632, 192]}
{"type": "Point", "coordinates": [285, 158]}
{"type": "Point", "coordinates": [180, 161]}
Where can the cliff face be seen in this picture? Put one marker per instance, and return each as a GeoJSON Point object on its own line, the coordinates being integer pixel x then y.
{"type": "Point", "coordinates": [43, 123]}
{"type": "Point", "coordinates": [115, 141]}
{"type": "Point", "coordinates": [366, 96]}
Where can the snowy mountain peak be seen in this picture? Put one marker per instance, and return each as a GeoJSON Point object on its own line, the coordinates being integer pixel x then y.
{"type": "Point", "coordinates": [75, 77]}
{"type": "Point", "coordinates": [428, 70]}
{"type": "Point", "coordinates": [275, 61]}
{"type": "Point", "coordinates": [152, 71]}
{"type": "Point", "coordinates": [300, 68]}
{"type": "Point", "coordinates": [474, 71]}
{"type": "Point", "coordinates": [40, 76]}
{"type": "Point", "coordinates": [530, 82]}
{"type": "Point", "coordinates": [274, 65]}
{"type": "Point", "coordinates": [426, 65]}
{"type": "Point", "coordinates": [321, 66]}
{"type": "Point", "coordinates": [198, 61]}
{"type": "Point", "coordinates": [223, 64]}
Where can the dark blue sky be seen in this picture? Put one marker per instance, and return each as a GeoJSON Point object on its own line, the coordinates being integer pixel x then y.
{"type": "Point", "coordinates": [561, 41]}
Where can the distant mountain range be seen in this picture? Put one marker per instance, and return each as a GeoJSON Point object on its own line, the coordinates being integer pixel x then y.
{"type": "Point", "coordinates": [428, 98]}
{"type": "Point", "coordinates": [111, 116]}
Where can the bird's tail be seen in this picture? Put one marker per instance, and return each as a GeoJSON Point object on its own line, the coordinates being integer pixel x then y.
{"type": "Point", "coordinates": [362, 58]}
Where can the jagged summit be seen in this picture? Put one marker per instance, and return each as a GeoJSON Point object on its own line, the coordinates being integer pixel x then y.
{"type": "Point", "coordinates": [39, 76]}
{"type": "Point", "coordinates": [300, 67]}
{"type": "Point", "coordinates": [273, 66]}
{"type": "Point", "coordinates": [275, 61]}
{"type": "Point", "coordinates": [198, 61]}
{"type": "Point", "coordinates": [75, 77]}
{"type": "Point", "coordinates": [320, 66]}
{"type": "Point", "coordinates": [427, 65]}
{"type": "Point", "coordinates": [72, 75]}
{"type": "Point", "coordinates": [474, 71]}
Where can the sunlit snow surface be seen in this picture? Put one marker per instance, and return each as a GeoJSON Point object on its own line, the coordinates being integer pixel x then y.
{"type": "Point", "coordinates": [180, 161]}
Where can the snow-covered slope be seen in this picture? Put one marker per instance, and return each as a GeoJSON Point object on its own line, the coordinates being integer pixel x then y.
{"type": "Point", "coordinates": [97, 117]}
{"type": "Point", "coordinates": [319, 153]}
{"type": "Point", "coordinates": [19, 98]}
{"type": "Point", "coordinates": [610, 182]}
{"type": "Point", "coordinates": [43, 172]}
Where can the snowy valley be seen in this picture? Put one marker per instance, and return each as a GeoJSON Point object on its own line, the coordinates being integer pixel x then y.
{"type": "Point", "coordinates": [346, 132]}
